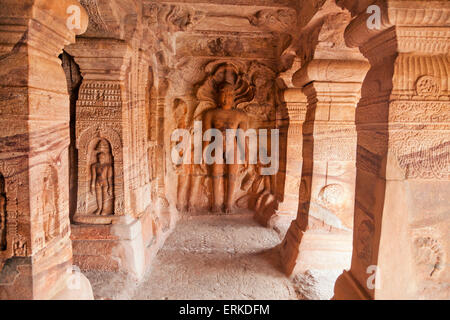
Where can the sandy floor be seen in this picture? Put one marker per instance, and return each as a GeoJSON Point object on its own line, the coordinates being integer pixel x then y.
{"type": "Point", "coordinates": [208, 257]}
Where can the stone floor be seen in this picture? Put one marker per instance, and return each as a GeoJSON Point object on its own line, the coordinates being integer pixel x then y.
{"type": "Point", "coordinates": [208, 257]}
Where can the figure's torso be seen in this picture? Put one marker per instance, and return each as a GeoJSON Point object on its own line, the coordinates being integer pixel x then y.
{"type": "Point", "coordinates": [226, 119]}
{"type": "Point", "coordinates": [101, 171]}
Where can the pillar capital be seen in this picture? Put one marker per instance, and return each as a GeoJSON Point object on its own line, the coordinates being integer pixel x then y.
{"type": "Point", "coordinates": [101, 58]}
{"type": "Point", "coordinates": [19, 17]}
{"type": "Point", "coordinates": [331, 71]}
{"type": "Point", "coordinates": [406, 27]}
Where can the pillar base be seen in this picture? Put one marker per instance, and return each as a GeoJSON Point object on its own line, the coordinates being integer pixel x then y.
{"type": "Point", "coordinates": [265, 209]}
{"type": "Point", "coordinates": [347, 288]}
{"type": "Point", "coordinates": [115, 247]}
{"type": "Point", "coordinates": [77, 287]}
{"type": "Point", "coordinates": [315, 258]}
{"type": "Point", "coordinates": [45, 275]}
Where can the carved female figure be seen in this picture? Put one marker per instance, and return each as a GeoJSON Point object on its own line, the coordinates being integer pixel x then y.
{"type": "Point", "coordinates": [49, 205]}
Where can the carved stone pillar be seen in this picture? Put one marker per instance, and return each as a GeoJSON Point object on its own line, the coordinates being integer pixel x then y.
{"type": "Point", "coordinates": [292, 126]}
{"type": "Point", "coordinates": [35, 250]}
{"type": "Point", "coordinates": [101, 108]}
{"type": "Point", "coordinates": [107, 234]}
{"type": "Point", "coordinates": [290, 120]}
{"type": "Point", "coordinates": [403, 161]}
{"type": "Point", "coordinates": [319, 241]}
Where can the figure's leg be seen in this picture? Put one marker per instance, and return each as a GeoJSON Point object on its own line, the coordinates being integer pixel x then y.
{"type": "Point", "coordinates": [46, 231]}
{"type": "Point", "coordinates": [195, 182]}
{"type": "Point", "coordinates": [231, 186]}
{"type": "Point", "coordinates": [183, 186]}
{"type": "Point", "coordinates": [52, 223]}
{"type": "Point", "coordinates": [99, 197]}
{"type": "Point", "coordinates": [105, 199]}
{"type": "Point", "coordinates": [3, 238]}
{"type": "Point", "coordinates": [217, 180]}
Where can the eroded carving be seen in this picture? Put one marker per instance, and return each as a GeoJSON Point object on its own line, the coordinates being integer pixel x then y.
{"type": "Point", "coordinates": [50, 206]}
{"type": "Point", "coordinates": [20, 246]}
{"type": "Point", "coordinates": [364, 243]}
{"type": "Point", "coordinates": [224, 117]}
{"type": "Point", "coordinates": [427, 86]}
{"type": "Point", "coordinates": [101, 179]}
{"type": "Point", "coordinates": [281, 20]}
{"type": "Point", "coordinates": [428, 256]}
{"type": "Point", "coordinates": [3, 216]}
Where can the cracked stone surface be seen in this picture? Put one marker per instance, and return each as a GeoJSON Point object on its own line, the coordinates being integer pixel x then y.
{"type": "Point", "coordinates": [218, 257]}
{"type": "Point", "coordinates": [207, 258]}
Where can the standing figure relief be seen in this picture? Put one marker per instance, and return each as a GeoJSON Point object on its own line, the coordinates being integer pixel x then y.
{"type": "Point", "coordinates": [101, 180]}
{"type": "Point", "coordinates": [225, 173]}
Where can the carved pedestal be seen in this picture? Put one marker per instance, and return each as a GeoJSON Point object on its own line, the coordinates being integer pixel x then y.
{"type": "Point", "coordinates": [35, 246]}
{"type": "Point", "coordinates": [321, 236]}
{"type": "Point", "coordinates": [403, 163]}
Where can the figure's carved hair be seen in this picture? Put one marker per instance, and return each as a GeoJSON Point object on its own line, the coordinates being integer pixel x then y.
{"type": "Point", "coordinates": [242, 91]}
{"type": "Point", "coordinates": [223, 75]}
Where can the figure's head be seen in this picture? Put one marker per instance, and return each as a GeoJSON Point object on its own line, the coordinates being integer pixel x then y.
{"type": "Point", "coordinates": [101, 158]}
{"type": "Point", "coordinates": [226, 96]}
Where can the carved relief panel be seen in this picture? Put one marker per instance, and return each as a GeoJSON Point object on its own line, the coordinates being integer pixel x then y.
{"type": "Point", "coordinates": [50, 204]}
{"type": "Point", "coordinates": [252, 89]}
{"type": "Point", "coordinates": [13, 241]}
{"type": "Point", "coordinates": [100, 177]}
{"type": "Point", "coordinates": [100, 154]}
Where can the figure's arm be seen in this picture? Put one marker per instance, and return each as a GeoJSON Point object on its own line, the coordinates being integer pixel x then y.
{"type": "Point", "coordinates": [2, 212]}
{"type": "Point", "coordinates": [110, 179]}
{"type": "Point", "coordinates": [244, 126]}
{"type": "Point", "coordinates": [207, 124]}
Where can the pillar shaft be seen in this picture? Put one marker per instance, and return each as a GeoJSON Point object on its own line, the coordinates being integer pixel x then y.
{"type": "Point", "coordinates": [401, 223]}
{"type": "Point", "coordinates": [36, 252]}
{"type": "Point", "coordinates": [291, 125]}
{"type": "Point", "coordinates": [319, 240]}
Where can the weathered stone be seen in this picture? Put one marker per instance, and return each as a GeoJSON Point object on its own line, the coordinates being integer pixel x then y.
{"type": "Point", "coordinates": [341, 107]}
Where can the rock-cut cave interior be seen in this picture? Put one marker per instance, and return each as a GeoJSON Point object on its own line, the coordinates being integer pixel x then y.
{"type": "Point", "coordinates": [224, 149]}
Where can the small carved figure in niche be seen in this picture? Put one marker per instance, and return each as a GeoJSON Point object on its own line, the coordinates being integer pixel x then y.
{"type": "Point", "coordinates": [225, 116]}
{"type": "Point", "coordinates": [2, 214]}
{"type": "Point", "coordinates": [20, 247]}
{"type": "Point", "coordinates": [49, 205]}
{"type": "Point", "coordinates": [101, 180]}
